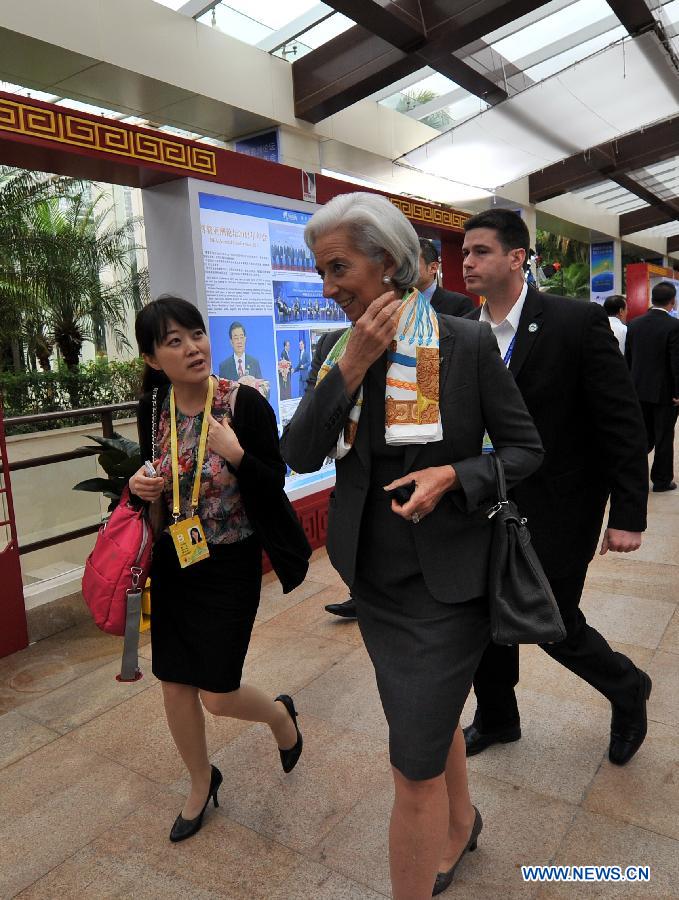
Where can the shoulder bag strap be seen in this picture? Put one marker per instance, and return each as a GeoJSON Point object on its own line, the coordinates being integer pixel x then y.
{"type": "Point", "coordinates": [154, 423]}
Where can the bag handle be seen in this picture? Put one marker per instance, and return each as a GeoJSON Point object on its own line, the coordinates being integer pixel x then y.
{"type": "Point", "coordinates": [500, 484]}
{"type": "Point", "coordinates": [154, 422]}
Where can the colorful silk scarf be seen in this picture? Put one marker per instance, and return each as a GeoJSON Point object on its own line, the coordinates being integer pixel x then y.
{"type": "Point", "coordinates": [411, 405]}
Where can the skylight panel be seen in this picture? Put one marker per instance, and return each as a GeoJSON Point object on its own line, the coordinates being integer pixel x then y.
{"type": "Point", "coordinates": [581, 51]}
{"type": "Point", "coordinates": [552, 28]}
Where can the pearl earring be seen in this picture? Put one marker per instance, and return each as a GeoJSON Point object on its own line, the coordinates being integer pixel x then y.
{"type": "Point", "coordinates": [386, 280]}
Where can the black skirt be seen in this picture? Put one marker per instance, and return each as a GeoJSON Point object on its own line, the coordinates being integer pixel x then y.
{"type": "Point", "coordinates": [202, 616]}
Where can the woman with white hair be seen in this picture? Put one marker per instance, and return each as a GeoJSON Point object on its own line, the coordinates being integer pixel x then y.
{"type": "Point", "coordinates": [401, 400]}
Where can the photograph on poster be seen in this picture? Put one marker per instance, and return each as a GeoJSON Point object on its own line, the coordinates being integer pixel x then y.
{"type": "Point", "coordinates": [289, 253]}
{"type": "Point", "coordinates": [303, 301]}
{"type": "Point", "coordinates": [241, 351]}
{"type": "Point", "coordinates": [265, 303]}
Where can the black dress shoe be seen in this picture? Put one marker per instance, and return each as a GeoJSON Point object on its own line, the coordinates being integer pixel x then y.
{"type": "Point", "coordinates": [628, 733]}
{"type": "Point", "coordinates": [290, 757]}
{"type": "Point", "coordinates": [346, 610]}
{"type": "Point", "coordinates": [475, 741]}
{"type": "Point", "coordinates": [443, 879]}
{"type": "Point", "coordinates": [659, 488]}
{"type": "Point", "coordinates": [186, 828]}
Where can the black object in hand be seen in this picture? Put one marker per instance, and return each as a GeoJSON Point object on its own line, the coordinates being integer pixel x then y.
{"type": "Point", "coordinates": [402, 493]}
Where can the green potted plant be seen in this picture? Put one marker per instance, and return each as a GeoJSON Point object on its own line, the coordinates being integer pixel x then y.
{"type": "Point", "coordinates": [120, 458]}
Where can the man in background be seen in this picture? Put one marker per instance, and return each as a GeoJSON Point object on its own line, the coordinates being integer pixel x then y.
{"type": "Point", "coordinates": [446, 303]}
{"type": "Point", "coordinates": [615, 308]}
{"type": "Point", "coordinates": [652, 353]}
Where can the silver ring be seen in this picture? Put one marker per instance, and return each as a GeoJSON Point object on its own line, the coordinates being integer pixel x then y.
{"type": "Point", "coordinates": [414, 518]}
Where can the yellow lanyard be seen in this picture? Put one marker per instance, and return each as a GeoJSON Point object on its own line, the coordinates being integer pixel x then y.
{"type": "Point", "coordinates": [176, 511]}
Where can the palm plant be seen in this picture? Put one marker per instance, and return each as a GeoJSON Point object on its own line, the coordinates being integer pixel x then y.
{"type": "Point", "coordinates": [571, 281]}
{"type": "Point", "coordinates": [119, 458]}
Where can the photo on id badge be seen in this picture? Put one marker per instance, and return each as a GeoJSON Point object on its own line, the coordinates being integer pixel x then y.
{"type": "Point", "coordinates": [189, 541]}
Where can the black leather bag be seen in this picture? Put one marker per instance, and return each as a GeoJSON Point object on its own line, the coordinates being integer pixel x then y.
{"type": "Point", "coordinates": [522, 606]}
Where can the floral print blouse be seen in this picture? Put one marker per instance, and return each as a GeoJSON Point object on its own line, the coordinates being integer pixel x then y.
{"type": "Point", "coordinates": [220, 508]}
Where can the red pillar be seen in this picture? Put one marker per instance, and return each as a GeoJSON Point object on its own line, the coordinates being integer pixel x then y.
{"type": "Point", "coordinates": [13, 628]}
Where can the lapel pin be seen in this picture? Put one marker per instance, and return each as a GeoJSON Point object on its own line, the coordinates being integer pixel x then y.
{"type": "Point", "coordinates": [533, 327]}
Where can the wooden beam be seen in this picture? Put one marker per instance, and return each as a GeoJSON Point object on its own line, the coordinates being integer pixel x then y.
{"type": "Point", "coordinates": [641, 219]}
{"type": "Point", "coordinates": [634, 15]}
{"type": "Point", "coordinates": [673, 244]}
{"type": "Point", "coordinates": [359, 62]}
{"type": "Point", "coordinates": [633, 151]}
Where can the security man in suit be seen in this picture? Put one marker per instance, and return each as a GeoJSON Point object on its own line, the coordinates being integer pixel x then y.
{"type": "Point", "coordinates": [446, 303]}
{"type": "Point", "coordinates": [576, 386]}
{"type": "Point", "coordinates": [652, 353]}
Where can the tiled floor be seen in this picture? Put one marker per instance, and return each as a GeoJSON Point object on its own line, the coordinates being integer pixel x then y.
{"type": "Point", "coordinates": [90, 782]}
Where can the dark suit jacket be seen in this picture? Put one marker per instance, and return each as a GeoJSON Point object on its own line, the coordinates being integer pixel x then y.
{"type": "Point", "coordinates": [652, 353]}
{"type": "Point", "coordinates": [227, 367]}
{"type": "Point", "coordinates": [453, 541]}
{"type": "Point", "coordinates": [448, 303]}
{"type": "Point", "coordinates": [576, 386]}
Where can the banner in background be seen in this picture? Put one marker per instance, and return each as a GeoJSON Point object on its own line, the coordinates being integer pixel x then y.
{"type": "Point", "coordinates": [265, 303]}
{"type": "Point", "coordinates": [602, 270]}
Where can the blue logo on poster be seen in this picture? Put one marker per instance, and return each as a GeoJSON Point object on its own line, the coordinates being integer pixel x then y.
{"type": "Point", "coordinates": [602, 283]}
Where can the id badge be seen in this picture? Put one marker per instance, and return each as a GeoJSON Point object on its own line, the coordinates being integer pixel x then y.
{"type": "Point", "coordinates": [189, 541]}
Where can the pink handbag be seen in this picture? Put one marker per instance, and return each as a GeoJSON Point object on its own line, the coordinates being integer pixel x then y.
{"type": "Point", "coordinates": [118, 565]}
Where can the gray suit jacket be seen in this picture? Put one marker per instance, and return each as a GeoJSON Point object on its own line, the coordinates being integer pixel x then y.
{"type": "Point", "coordinates": [477, 392]}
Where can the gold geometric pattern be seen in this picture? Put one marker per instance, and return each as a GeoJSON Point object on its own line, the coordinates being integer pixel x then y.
{"type": "Point", "coordinates": [431, 215]}
{"type": "Point", "coordinates": [66, 128]}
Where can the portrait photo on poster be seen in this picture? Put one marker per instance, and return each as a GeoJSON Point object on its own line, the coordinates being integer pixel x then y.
{"type": "Point", "coordinates": [242, 350]}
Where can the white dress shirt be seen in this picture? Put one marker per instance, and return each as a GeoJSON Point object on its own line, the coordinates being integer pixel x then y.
{"type": "Point", "coordinates": [504, 331]}
{"type": "Point", "coordinates": [619, 329]}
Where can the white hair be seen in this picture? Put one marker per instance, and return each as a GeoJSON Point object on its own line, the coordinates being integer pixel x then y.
{"type": "Point", "coordinates": [375, 227]}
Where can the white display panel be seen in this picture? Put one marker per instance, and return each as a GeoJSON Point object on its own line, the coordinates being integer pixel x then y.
{"type": "Point", "coordinates": [265, 304]}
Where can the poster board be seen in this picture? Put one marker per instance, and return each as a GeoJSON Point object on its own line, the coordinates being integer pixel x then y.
{"type": "Point", "coordinates": [264, 303]}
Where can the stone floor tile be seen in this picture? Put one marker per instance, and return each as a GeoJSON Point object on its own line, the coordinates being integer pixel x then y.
{"type": "Point", "coordinates": [539, 672]}
{"type": "Point", "coordinates": [664, 703]}
{"type": "Point", "coordinates": [560, 751]}
{"type": "Point", "coordinates": [637, 620]}
{"type": "Point", "coordinates": [89, 696]}
{"type": "Point", "coordinates": [346, 696]}
{"type": "Point", "coordinates": [310, 615]}
{"type": "Point", "coordinates": [135, 734]}
{"type": "Point", "coordinates": [54, 802]}
{"type": "Point", "coordinates": [670, 640]}
{"type": "Point", "coordinates": [274, 601]}
{"type": "Point", "coordinates": [312, 881]}
{"type": "Point", "coordinates": [519, 826]}
{"type": "Point", "coordinates": [645, 792]}
{"type": "Point", "coordinates": [337, 768]}
{"type": "Point", "coordinates": [659, 548]}
{"type": "Point", "coordinates": [20, 736]}
{"type": "Point", "coordinates": [632, 568]}
{"type": "Point", "coordinates": [54, 662]}
{"type": "Point", "coordinates": [136, 860]}
{"type": "Point", "coordinates": [598, 840]}
{"type": "Point", "coordinates": [292, 661]}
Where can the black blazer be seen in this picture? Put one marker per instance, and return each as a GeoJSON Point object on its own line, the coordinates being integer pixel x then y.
{"type": "Point", "coordinates": [476, 391]}
{"type": "Point", "coordinates": [652, 353]}
{"type": "Point", "coordinates": [261, 479]}
{"type": "Point", "coordinates": [573, 378]}
{"type": "Point", "coordinates": [448, 303]}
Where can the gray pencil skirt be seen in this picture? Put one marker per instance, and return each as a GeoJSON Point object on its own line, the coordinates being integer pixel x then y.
{"type": "Point", "coordinates": [425, 652]}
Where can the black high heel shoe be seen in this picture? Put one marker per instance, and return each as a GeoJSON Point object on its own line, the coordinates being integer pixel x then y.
{"type": "Point", "coordinates": [443, 879]}
{"type": "Point", "coordinates": [290, 757]}
{"type": "Point", "coordinates": [186, 828]}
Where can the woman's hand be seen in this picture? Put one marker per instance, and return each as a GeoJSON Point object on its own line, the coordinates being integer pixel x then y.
{"type": "Point", "coordinates": [221, 439]}
{"type": "Point", "coordinates": [370, 337]}
{"type": "Point", "coordinates": [430, 485]}
{"type": "Point", "coordinates": [146, 487]}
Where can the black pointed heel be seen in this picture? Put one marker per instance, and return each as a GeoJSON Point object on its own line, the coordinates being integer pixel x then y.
{"type": "Point", "coordinates": [289, 758]}
{"type": "Point", "coordinates": [444, 879]}
{"type": "Point", "coordinates": [186, 828]}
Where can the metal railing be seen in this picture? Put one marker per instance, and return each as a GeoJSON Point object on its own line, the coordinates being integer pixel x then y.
{"type": "Point", "coordinates": [105, 414]}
